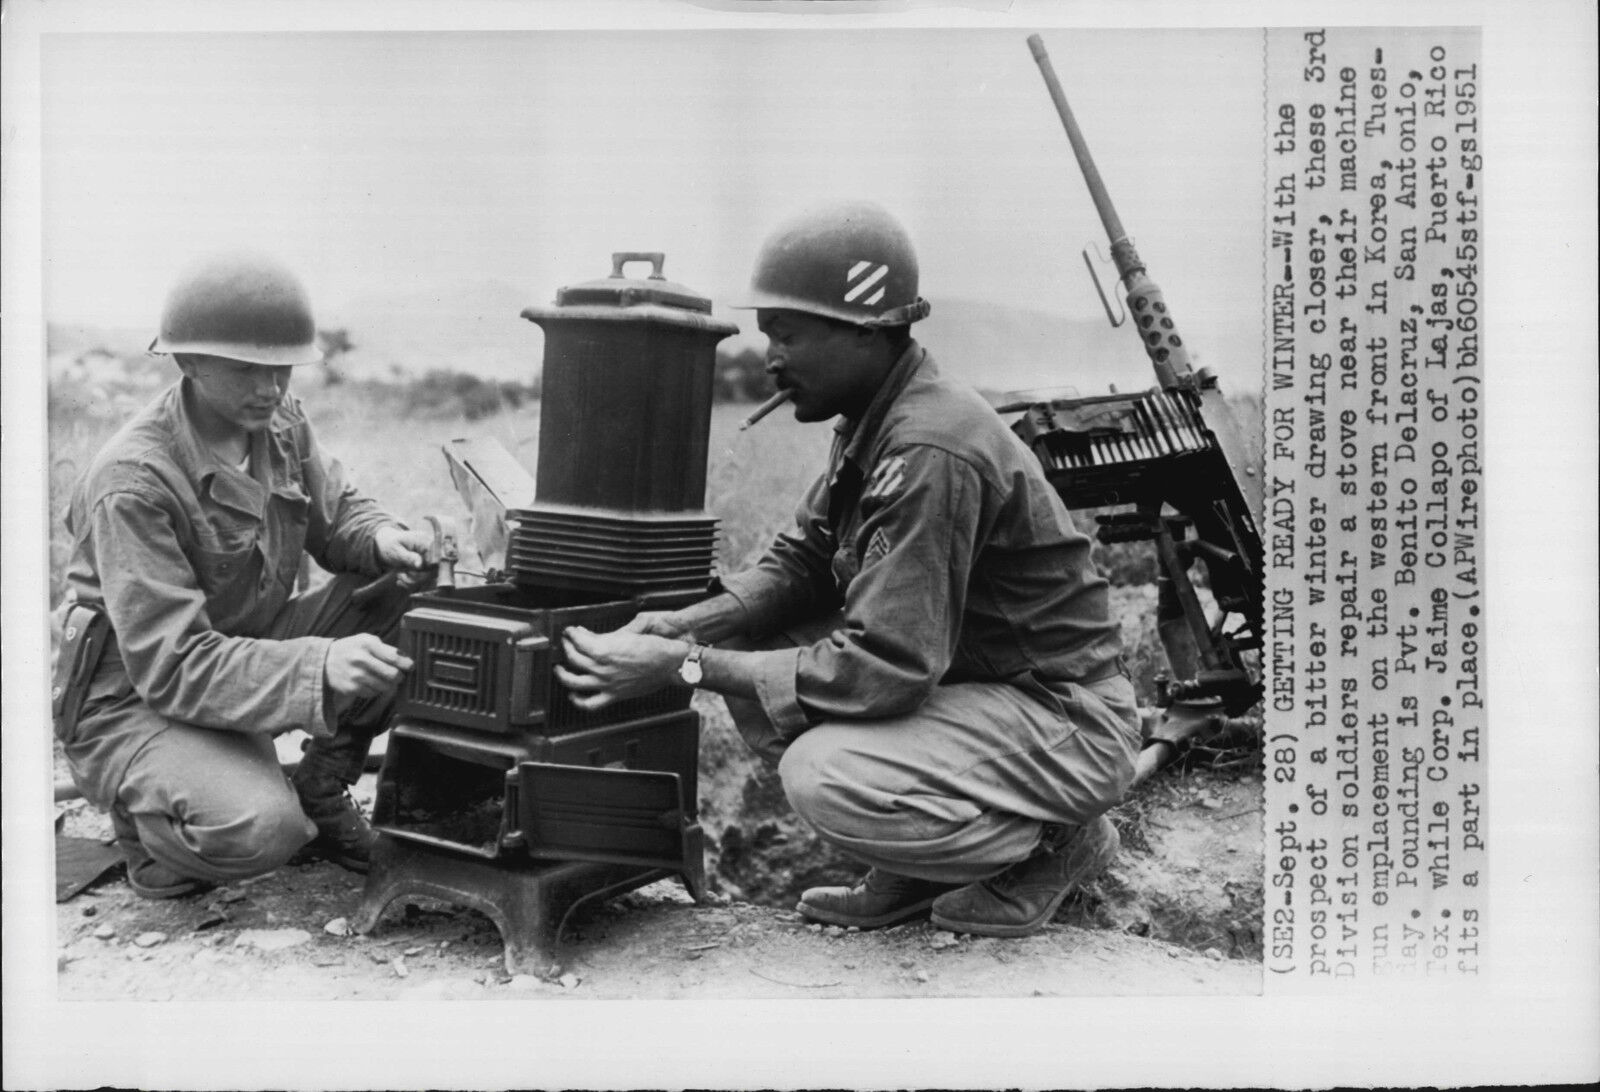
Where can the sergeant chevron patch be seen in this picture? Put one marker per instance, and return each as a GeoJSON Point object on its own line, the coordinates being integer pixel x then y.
{"type": "Point", "coordinates": [877, 547]}
{"type": "Point", "coordinates": [887, 477]}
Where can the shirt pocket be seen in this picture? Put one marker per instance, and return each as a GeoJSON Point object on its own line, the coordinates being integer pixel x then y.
{"type": "Point", "coordinates": [227, 562]}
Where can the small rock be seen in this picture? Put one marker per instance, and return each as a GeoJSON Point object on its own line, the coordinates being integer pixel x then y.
{"type": "Point", "coordinates": [210, 921]}
{"type": "Point", "coordinates": [378, 956]}
{"type": "Point", "coordinates": [922, 976]}
{"type": "Point", "coordinates": [228, 894]}
{"type": "Point", "coordinates": [412, 951]}
{"type": "Point", "coordinates": [814, 927]}
{"type": "Point", "coordinates": [852, 929]}
{"type": "Point", "coordinates": [1172, 953]}
{"type": "Point", "coordinates": [103, 931]}
{"type": "Point", "coordinates": [149, 940]}
{"type": "Point", "coordinates": [271, 940]}
{"type": "Point", "coordinates": [520, 981]}
{"type": "Point", "coordinates": [338, 927]}
{"type": "Point", "coordinates": [90, 911]}
{"type": "Point", "coordinates": [399, 966]}
{"type": "Point", "coordinates": [833, 931]}
{"type": "Point", "coordinates": [1212, 953]}
{"type": "Point", "coordinates": [569, 981]}
{"type": "Point", "coordinates": [1210, 804]}
{"type": "Point", "coordinates": [940, 941]}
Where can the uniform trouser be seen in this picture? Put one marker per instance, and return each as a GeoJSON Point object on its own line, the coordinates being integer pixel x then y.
{"type": "Point", "coordinates": [214, 805]}
{"type": "Point", "coordinates": [962, 787]}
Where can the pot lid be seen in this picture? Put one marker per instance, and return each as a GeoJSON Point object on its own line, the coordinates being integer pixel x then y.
{"type": "Point", "coordinates": [620, 291]}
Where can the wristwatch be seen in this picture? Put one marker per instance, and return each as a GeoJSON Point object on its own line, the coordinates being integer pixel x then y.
{"type": "Point", "coordinates": [689, 671]}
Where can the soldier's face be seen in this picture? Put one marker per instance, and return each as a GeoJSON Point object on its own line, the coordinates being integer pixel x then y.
{"type": "Point", "coordinates": [827, 367]}
{"type": "Point", "coordinates": [233, 394]}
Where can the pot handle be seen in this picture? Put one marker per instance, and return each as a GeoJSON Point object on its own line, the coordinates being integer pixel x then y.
{"type": "Point", "coordinates": [623, 257]}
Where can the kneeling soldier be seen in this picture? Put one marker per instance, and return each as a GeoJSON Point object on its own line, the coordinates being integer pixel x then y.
{"type": "Point", "coordinates": [928, 655]}
{"type": "Point", "coordinates": [188, 532]}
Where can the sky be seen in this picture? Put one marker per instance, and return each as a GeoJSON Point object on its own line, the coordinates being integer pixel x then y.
{"type": "Point", "coordinates": [390, 163]}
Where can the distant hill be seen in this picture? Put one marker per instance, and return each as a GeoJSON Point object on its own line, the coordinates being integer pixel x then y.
{"type": "Point", "coordinates": [477, 328]}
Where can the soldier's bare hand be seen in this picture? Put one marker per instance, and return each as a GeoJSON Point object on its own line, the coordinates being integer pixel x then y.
{"type": "Point", "coordinates": [362, 666]}
{"type": "Point", "coordinates": [402, 549]}
{"type": "Point", "coordinates": [661, 623]}
{"type": "Point", "coordinates": [605, 667]}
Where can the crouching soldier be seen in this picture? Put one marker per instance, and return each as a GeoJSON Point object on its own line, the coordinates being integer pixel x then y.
{"type": "Point", "coordinates": [928, 656]}
{"type": "Point", "coordinates": [186, 648]}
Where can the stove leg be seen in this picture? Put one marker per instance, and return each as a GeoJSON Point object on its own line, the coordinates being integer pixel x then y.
{"type": "Point", "coordinates": [694, 863]}
{"type": "Point", "coordinates": [527, 903]}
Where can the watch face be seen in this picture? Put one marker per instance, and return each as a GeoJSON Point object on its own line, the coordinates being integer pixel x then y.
{"type": "Point", "coordinates": [689, 671]}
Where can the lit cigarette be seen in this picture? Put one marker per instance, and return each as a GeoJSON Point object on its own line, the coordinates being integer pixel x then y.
{"type": "Point", "coordinates": [765, 408]}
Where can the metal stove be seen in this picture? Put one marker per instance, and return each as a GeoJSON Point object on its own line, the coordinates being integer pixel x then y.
{"type": "Point", "coordinates": [496, 792]}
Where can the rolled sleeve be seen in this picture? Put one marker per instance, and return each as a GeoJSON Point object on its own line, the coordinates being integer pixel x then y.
{"type": "Point", "coordinates": [776, 675]}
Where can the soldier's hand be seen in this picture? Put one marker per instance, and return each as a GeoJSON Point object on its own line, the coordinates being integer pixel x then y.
{"type": "Point", "coordinates": [605, 667]}
{"type": "Point", "coordinates": [402, 549]}
{"type": "Point", "coordinates": [362, 666]}
{"type": "Point", "coordinates": [660, 623]}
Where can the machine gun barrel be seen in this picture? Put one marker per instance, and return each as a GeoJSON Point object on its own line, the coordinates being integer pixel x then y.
{"type": "Point", "coordinates": [1154, 322]}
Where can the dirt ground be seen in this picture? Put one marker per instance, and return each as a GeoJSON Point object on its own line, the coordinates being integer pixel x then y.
{"type": "Point", "coordinates": [1178, 913]}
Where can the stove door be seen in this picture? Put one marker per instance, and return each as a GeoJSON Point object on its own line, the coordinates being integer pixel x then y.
{"type": "Point", "coordinates": [619, 816]}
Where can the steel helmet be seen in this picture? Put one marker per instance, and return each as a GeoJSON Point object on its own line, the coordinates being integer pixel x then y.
{"type": "Point", "coordinates": [240, 305]}
{"type": "Point", "coordinates": [851, 261]}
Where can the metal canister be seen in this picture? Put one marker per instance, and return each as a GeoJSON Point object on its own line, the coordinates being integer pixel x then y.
{"type": "Point", "coordinates": [626, 405]}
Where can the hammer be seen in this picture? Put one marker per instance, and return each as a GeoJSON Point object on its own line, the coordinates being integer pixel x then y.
{"type": "Point", "coordinates": [441, 553]}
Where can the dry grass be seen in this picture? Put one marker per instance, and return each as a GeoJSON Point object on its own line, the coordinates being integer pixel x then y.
{"type": "Point", "coordinates": [753, 481]}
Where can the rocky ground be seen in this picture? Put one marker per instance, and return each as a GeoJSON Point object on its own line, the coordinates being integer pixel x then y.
{"type": "Point", "coordinates": [1177, 914]}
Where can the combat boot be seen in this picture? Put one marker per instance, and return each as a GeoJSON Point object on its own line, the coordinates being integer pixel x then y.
{"type": "Point", "coordinates": [343, 834]}
{"type": "Point", "coordinates": [148, 877]}
{"type": "Point", "coordinates": [881, 898]}
{"type": "Point", "coordinates": [1021, 900]}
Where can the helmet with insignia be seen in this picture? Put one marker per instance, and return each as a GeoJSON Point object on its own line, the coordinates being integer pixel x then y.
{"type": "Point", "coordinates": [852, 262]}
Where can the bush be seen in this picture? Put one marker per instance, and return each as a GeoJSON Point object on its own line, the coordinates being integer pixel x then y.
{"type": "Point", "coordinates": [741, 376]}
{"type": "Point", "coordinates": [458, 394]}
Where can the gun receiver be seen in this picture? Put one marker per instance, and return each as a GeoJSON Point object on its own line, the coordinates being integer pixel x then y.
{"type": "Point", "coordinates": [1171, 454]}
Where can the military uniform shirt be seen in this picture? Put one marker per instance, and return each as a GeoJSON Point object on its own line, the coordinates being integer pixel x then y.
{"type": "Point", "coordinates": [192, 559]}
{"type": "Point", "coordinates": [950, 557]}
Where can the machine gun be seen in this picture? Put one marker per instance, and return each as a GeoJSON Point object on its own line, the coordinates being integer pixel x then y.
{"type": "Point", "coordinates": [1169, 458]}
